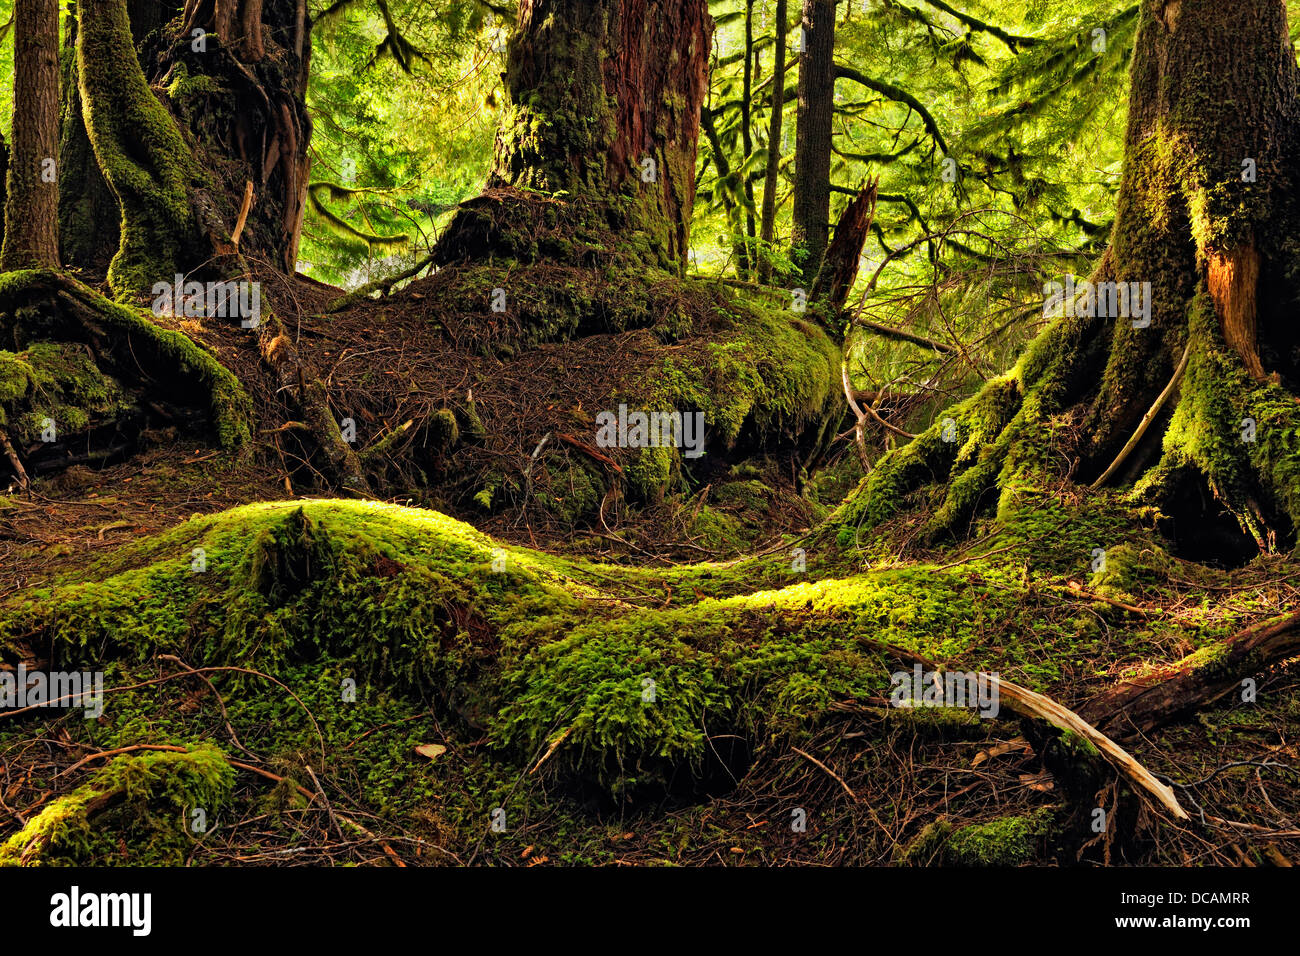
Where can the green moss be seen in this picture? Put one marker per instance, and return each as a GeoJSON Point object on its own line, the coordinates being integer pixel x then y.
{"type": "Point", "coordinates": [1009, 841]}
{"type": "Point", "coordinates": [58, 383]}
{"type": "Point", "coordinates": [145, 809]}
{"type": "Point", "coordinates": [141, 152]}
{"type": "Point", "coordinates": [65, 384]}
{"type": "Point", "coordinates": [717, 531]}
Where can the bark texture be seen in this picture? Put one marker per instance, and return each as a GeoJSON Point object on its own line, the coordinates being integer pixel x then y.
{"type": "Point", "coordinates": [603, 114]}
{"type": "Point", "coordinates": [32, 197]}
{"type": "Point", "coordinates": [812, 182]}
{"type": "Point", "coordinates": [767, 229]}
{"type": "Point", "coordinates": [1205, 227]}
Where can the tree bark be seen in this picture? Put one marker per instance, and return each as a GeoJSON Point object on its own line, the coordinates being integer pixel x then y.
{"type": "Point", "coordinates": [1206, 233]}
{"type": "Point", "coordinates": [747, 139]}
{"type": "Point", "coordinates": [604, 111]}
{"type": "Point", "coordinates": [252, 124]}
{"type": "Point", "coordinates": [232, 77]}
{"type": "Point", "coordinates": [31, 236]}
{"type": "Point", "coordinates": [767, 230]}
{"type": "Point", "coordinates": [1213, 86]}
{"type": "Point", "coordinates": [812, 182]}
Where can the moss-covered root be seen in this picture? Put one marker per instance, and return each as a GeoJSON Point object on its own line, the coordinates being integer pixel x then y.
{"type": "Point", "coordinates": [126, 338]}
{"type": "Point", "coordinates": [1236, 435]}
{"type": "Point", "coordinates": [157, 803]}
{"type": "Point", "coordinates": [979, 447]}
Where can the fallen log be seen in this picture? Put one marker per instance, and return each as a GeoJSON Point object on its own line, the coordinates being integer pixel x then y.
{"type": "Point", "coordinates": [1198, 680]}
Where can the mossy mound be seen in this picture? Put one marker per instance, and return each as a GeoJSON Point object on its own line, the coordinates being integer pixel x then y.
{"type": "Point", "coordinates": [54, 388]}
{"type": "Point", "coordinates": [156, 803]}
{"type": "Point", "coordinates": [1009, 841]}
{"type": "Point", "coordinates": [394, 626]}
{"type": "Point", "coordinates": [760, 379]}
{"type": "Point", "coordinates": [565, 656]}
{"type": "Point", "coordinates": [534, 648]}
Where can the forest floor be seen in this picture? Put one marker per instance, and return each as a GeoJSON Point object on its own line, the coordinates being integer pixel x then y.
{"type": "Point", "coordinates": [801, 766]}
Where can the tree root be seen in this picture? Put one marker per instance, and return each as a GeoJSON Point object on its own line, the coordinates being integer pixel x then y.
{"type": "Point", "coordinates": [132, 343]}
{"type": "Point", "coordinates": [345, 302]}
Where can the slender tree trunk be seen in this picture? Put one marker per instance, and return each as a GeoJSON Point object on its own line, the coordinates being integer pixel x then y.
{"type": "Point", "coordinates": [770, 180]}
{"type": "Point", "coordinates": [723, 167]}
{"type": "Point", "coordinates": [4, 189]}
{"type": "Point", "coordinates": [31, 234]}
{"type": "Point", "coordinates": [812, 183]}
{"type": "Point", "coordinates": [747, 137]}
{"type": "Point", "coordinates": [604, 114]}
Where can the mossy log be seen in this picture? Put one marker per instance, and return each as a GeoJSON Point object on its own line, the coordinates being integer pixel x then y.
{"type": "Point", "coordinates": [53, 319]}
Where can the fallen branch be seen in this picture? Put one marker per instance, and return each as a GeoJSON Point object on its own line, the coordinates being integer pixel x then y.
{"type": "Point", "coordinates": [893, 333]}
{"type": "Point", "coordinates": [1197, 680]}
{"type": "Point", "coordinates": [588, 449]}
{"type": "Point", "coordinates": [19, 472]}
{"type": "Point", "coordinates": [1147, 419]}
{"type": "Point", "coordinates": [1029, 704]}
{"type": "Point", "coordinates": [243, 214]}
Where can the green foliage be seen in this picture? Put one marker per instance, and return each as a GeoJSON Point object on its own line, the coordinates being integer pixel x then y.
{"type": "Point", "coordinates": [404, 144]}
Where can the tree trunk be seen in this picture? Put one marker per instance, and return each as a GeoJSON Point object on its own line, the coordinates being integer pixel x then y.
{"type": "Point", "coordinates": [232, 79]}
{"type": "Point", "coordinates": [747, 139]}
{"type": "Point", "coordinates": [242, 95]}
{"type": "Point", "coordinates": [31, 236]}
{"type": "Point", "coordinates": [604, 107]}
{"type": "Point", "coordinates": [767, 231]}
{"type": "Point", "coordinates": [1214, 86]}
{"type": "Point", "coordinates": [89, 226]}
{"type": "Point", "coordinates": [812, 151]}
{"type": "Point", "coordinates": [1205, 235]}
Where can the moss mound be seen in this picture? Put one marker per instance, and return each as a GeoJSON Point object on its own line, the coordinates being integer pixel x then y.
{"type": "Point", "coordinates": [158, 803]}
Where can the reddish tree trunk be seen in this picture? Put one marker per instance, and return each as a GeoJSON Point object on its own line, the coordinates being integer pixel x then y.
{"type": "Point", "coordinates": [812, 149]}
{"type": "Point", "coordinates": [604, 115]}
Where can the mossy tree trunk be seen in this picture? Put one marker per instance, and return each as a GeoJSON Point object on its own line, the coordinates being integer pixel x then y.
{"type": "Point", "coordinates": [603, 114]}
{"type": "Point", "coordinates": [1207, 216]}
{"type": "Point", "coordinates": [31, 236]}
{"type": "Point", "coordinates": [767, 230]}
{"type": "Point", "coordinates": [244, 100]}
{"type": "Point", "coordinates": [216, 101]}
